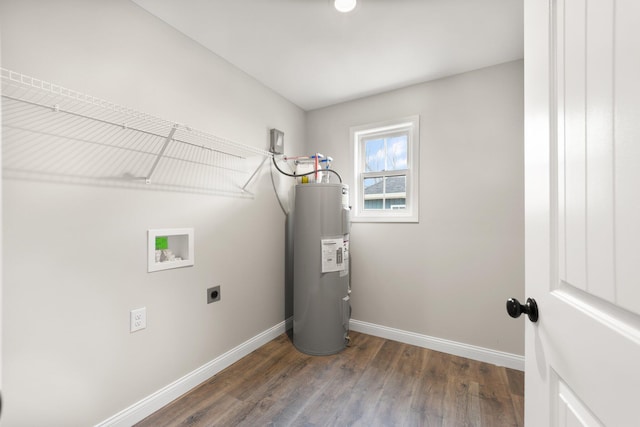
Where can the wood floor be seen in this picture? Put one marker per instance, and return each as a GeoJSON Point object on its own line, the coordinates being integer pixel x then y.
{"type": "Point", "coordinates": [375, 382]}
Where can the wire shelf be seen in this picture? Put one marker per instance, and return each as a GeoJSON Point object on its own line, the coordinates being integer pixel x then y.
{"type": "Point", "coordinates": [57, 134]}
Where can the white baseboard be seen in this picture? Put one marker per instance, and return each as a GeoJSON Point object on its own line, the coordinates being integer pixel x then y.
{"type": "Point", "coordinates": [150, 404]}
{"type": "Point", "coordinates": [481, 354]}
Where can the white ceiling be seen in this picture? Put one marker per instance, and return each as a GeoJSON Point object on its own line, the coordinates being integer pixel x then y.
{"type": "Point", "coordinates": [316, 56]}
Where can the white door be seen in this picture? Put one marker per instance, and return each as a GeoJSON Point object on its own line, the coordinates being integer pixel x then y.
{"type": "Point", "coordinates": [1, 260]}
{"type": "Point", "coordinates": [582, 186]}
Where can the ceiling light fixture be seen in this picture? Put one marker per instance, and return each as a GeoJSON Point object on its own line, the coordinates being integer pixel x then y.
{"type": "Point", "coordinates": [345, 6]}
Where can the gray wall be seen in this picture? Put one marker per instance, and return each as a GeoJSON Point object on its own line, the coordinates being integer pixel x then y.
{"type": "Point", "coordinates": [449, 275]}
{"type": "Point", "coordinates": [75, 256]}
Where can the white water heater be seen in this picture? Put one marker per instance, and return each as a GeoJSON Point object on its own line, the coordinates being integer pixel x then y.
{"type": "Point", "coordinates": [321, 290]}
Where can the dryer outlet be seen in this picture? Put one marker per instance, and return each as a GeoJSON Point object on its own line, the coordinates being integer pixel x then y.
{"type": "Point", "coordinates": [213, 294]}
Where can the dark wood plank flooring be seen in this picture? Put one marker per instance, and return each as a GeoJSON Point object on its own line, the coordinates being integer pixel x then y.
{"type": "Point", "coordinates": [374, 382]}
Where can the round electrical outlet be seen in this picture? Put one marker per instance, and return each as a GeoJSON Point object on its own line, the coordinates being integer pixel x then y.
{"type": "Point", "coordinates": [213, 294]}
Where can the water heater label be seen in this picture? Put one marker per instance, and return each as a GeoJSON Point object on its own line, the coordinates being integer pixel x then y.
{"type": "Point", "coordinates": [333, 256]}
{"type": "Point", "coordinates": [345, 252]}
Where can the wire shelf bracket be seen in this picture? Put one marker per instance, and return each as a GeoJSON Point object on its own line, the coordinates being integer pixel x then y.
{"type": "Point", "coordinates": [253, 175]}
{"type": "Point", "coordinates": [160, 154]}
{"type": "Point", "coordinates": [57, 134]}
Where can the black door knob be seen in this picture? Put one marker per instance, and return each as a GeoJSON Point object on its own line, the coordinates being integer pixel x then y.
{"type": "Point", "coordinates": [515, 309]}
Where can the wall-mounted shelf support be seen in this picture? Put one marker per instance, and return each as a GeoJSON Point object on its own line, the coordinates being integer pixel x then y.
{"type": "Point", "coordinates": [253, 175]}
{"type": "Point", "coordinates": [164, 147]}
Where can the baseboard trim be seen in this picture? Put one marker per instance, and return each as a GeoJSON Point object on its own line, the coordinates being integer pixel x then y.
{"type": "Point", "coordinates": [481, 354]}
{"type": "Point", "coordinates": [150, 404]}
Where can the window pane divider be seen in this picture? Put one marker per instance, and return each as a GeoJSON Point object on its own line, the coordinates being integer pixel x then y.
{"type": "Point", "coordinates": [385, 174]}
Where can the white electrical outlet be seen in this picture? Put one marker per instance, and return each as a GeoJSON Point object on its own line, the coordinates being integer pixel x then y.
{"type": "Point", "coordinates": [138, 319]}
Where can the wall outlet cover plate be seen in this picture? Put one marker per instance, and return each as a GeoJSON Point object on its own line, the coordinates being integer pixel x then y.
{"type": "Point", "coordinates": [137, 319]}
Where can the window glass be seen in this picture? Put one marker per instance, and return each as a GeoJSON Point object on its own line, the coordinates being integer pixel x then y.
{"type": "Point", "coordinates": [385, 192]}
{"type": "Point", "coordinates": [374, 155]}
{"type": "Point", "coordinates": [396, 153]}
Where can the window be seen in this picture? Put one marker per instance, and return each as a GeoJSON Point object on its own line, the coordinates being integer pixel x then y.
{"type": "Point", "coordinates": [386, 161]}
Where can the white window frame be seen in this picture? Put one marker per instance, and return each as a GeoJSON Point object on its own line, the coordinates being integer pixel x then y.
{"type": "Point", "coordinates": [357, 135]}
